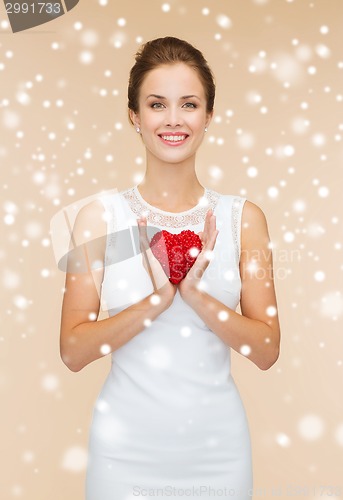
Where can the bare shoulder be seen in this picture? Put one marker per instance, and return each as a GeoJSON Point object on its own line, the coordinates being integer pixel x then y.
{"type": "Point", "coordinates": [252, 213]}
{"type": "Point", "coordinates": [254, 226]}
{"type": "Point", "coordinates": [90, 222]}
{"type": "Point", "coordinates": [88, 237]}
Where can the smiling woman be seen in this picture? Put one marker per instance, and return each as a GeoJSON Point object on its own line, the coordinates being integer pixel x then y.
{"type": "Point", "coordinates": [169, 414]}
{"type": "Point", "coordinates": [167, 51]}
{"type": "Point", "coordinates": [171, 119]}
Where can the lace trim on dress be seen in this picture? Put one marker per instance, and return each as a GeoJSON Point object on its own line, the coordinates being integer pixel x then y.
{"type": "Point", "coordinates": [236, 211]}
{"type": "Point", "coordinates": [191, 217]}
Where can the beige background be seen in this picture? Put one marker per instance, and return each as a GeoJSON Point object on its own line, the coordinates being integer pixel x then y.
{"type": "Point", "coordinates": [65, 136]}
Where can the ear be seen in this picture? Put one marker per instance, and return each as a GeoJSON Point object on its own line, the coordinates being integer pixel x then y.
{"type": "Point", "coordinates": [134, 117]}
{"type": "Point", "coordinates": [209, 117]}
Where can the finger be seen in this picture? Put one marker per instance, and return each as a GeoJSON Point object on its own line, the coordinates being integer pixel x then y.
{"type": "Point", "coordinates": [142, 227]}
{"type": "Point", "coordinates": [212, 238]}
{"type": "Point", "coordinates": [145, 247]}
{"type": "Point", "coordinates": [207, 221]}
{"type": "Point", "coordinates": [141, 222]}
{"type": "Point", "coordinates": [210, 226]}
{"type": "Point", "coordinates": [213, 223]}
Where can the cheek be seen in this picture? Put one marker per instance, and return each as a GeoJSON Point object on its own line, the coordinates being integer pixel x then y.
{"type": "Point", "coordinates": [197, 122]}
{"type": "Point", "coordinates": [150, 120]}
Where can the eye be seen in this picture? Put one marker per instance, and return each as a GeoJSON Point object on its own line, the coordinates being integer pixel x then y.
{"type": "Point", "coordinates": [157, 105]}
{"type": "Point", "coordinates": [190, 105]}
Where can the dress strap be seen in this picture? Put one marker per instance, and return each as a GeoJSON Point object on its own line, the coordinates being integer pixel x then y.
{"type": "Point", "coordinates": [236, 214]}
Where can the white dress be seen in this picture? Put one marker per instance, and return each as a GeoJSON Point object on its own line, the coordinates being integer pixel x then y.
{"type": "Point", "coordinates": [169, 421]}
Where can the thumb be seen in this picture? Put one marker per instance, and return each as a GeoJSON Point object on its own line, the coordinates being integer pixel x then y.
{"type": "Point", "coordinates": [143, 237]}
{"type": "Point", "coordinates": [142, 227]}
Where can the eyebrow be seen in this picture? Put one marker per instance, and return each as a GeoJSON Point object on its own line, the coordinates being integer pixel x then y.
{"type": "Point", "coordinates": [183, 97]}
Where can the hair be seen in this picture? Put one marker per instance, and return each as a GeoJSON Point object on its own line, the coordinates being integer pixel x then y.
{"type": "Point", "coordinates": [169, 50]}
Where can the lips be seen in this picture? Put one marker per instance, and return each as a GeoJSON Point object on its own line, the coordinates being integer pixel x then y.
{"type": "Point", "coordinates": [173, 139]}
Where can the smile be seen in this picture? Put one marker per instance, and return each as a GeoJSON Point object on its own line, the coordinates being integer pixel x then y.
{"type": "Point", "coordinates": [173, 139]}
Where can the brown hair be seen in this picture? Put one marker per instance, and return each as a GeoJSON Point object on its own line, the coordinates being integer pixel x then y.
{"type": "Point", "coordinates": [168, 50]}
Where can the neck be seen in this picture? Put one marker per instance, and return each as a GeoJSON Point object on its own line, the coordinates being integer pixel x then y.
{"type": "Point", "coordinates": [173, 185]}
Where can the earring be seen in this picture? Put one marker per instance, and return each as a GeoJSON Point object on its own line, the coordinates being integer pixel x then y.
{"type": "Point", "coordinates": [138, 130]}
{"type": "Point", "coordinates": [206, 129]}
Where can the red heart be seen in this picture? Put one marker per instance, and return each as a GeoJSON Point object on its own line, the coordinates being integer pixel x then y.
{"type": "Point", "coordinates": [176, 252]}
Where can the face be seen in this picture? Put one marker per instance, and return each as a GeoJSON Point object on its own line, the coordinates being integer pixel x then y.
{"type": "Point", "coordinates": [172, 112]}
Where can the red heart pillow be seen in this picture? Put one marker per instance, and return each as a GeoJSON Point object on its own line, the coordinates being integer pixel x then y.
{"type": "Point", "coordinates": [176, 252]}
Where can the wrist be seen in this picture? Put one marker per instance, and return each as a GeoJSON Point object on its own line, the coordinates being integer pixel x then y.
{"type": "Point", "coordinates": [162, 298]}
{"type": "Point", "coordinates": [190, 295]}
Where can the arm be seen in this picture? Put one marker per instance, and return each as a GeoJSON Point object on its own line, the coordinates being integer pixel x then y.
{"type": "Point", "coordinates": [258, 327]}
{"type": "Point", "coordinates": [83, 339]}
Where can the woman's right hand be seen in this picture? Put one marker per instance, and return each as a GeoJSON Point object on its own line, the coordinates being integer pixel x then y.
{"type": "Point", "coordinates": [162, 286]}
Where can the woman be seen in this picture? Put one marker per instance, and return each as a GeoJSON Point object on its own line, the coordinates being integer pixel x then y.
{"type": "Point", "coordinates": [169, 420]}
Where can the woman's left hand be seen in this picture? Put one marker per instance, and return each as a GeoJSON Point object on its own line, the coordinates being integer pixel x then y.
{"type": "Point", "coordinates": [208, 238]}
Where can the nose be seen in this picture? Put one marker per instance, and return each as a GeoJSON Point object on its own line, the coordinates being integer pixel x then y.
{"type": "Point", "coordinates": [173, 117]}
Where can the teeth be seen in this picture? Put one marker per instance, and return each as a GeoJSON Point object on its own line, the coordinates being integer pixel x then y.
{"type": "Point", "coordinates": [173, 138]}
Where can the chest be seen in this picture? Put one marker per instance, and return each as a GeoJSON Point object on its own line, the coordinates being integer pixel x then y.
{"type": "Point", "coordinates": [125, 279]}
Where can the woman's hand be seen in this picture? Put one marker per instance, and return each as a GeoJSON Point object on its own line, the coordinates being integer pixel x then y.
{"type": "Point", "coordinates": [208, 238]}
{"type": "Point", "coordinates": [162, 286]}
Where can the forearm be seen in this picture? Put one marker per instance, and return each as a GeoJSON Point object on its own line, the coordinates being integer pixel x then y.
{"type": "Point", "coordinates": [237, 331]}
{"type": "Point", "coordinates": [92, 340]}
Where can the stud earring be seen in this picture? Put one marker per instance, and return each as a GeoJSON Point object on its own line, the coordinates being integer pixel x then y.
{"type": "Point", "coordinates": [206, 129]}
{"type": "Point", "coordinates": [138, 130]}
